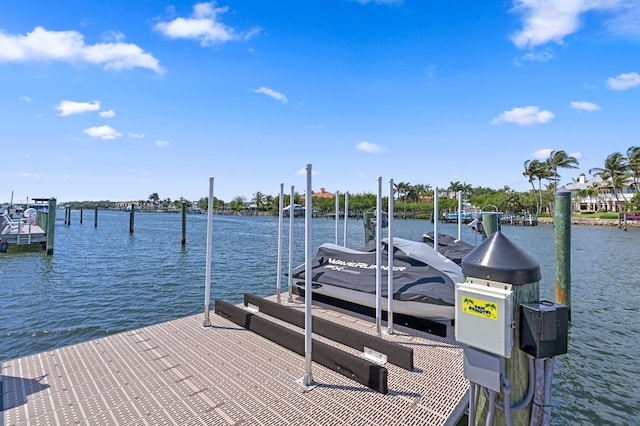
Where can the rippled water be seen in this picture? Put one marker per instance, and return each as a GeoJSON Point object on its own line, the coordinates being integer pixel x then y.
{"type": "Point", "coordinates": [103, 280]}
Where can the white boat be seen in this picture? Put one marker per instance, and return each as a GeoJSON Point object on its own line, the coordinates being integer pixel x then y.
{"type": "Point", "coordinates": [423, 279]}
{"type": "Point", "coordinates": [24, 230]}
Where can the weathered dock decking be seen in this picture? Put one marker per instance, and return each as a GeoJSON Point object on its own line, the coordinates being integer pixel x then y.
{"type": "Point", "coordinates": [179, 373]}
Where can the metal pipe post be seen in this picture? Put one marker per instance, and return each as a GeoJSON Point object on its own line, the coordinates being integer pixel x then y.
{"type": "Point", "coordinates": [390, 263]}
{"type": "Point", "coordinates": [337, 213]}
{"type": "Point", "coordinates": [279, 262]}
{"type": "Point", "coordinates": [435, 219]}
{"type": "Point", "coordinates": [307, 379]}
{"type": "Point", "coordinates": [346, 216]}
{"type": "Point", "coordinates": [459, 215]}
{"type": "Point", "coordinates": [379, 258]}
{"type": "Point", "coordinates": [291, 245]}
{"type": "Point", "coordinates": [207, 285]}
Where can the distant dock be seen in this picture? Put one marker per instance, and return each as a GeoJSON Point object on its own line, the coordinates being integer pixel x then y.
{"type": "Point", "coordinates": [179, 372]}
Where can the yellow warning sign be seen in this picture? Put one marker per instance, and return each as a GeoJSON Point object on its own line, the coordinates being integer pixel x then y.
{"type": "Point", "coordinates": [479, 307]}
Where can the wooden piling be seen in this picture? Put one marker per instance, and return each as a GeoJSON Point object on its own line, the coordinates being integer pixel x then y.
{"type": "Point", "coordinates": [95, 217]}
{"type": "Point", "coordinates": [499, 260]}
{"type": "Point", "coordinates": [489, 224]}
{"type": "Point", "coordinates": [184, 223]}
{"type": "Point", "coordinates": [81, 211]}
{"type": "Point", "coordinates": [51, 221]}
{"type": "Point", "coordinates": [131, 215]}
{"type": "Point", "coordinates": [562, 229]}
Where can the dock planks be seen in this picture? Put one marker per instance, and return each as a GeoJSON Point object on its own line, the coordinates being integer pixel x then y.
{"type": "Point", "coordinates": [180, 373]}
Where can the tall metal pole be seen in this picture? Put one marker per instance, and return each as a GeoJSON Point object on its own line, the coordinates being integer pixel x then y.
{"type": "Point", "coordinates": [435, 219]}
{"type": "Point", "coordinates": [291, 245]}
{"type": "Point", "coordinates": [279, 271]}
{"type": "Point", "coordinates": [459, 215]}
{"type": "Point", "coordinates": [562, 229]}
{"type": "Point", "coordinates": [346, 216]}
{"type": "Point", "coordinates": [379, 258]}
{"type": "Point", "coordinates": [390, 263]}
{"type": "Point", "coordinates": [207, 286]}
{"type": "Point", "coordinates": [337, 213]}
{"type": "Point", "coordinates": [307, 379]}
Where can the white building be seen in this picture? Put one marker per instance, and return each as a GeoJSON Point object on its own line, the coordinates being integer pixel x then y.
{"type": "Point", "coordinates": [595, 195]}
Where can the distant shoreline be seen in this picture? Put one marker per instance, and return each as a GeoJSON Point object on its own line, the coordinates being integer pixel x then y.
{"type": "Point", "coordinates": [591, 222]}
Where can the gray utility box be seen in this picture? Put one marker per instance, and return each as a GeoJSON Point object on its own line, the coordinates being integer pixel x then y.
{"type": "Point", "coordinates": [543, 329]}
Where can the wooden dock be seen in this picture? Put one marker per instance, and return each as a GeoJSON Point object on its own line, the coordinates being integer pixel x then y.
{"type": "Point", "coordinates": [180, 373]}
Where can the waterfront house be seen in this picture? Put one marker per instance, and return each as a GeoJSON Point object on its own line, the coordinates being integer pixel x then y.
{"type": "Point", "coordinates": [594, 195]}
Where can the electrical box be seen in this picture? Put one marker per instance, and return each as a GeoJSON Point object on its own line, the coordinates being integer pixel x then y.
{"type": "Point", "coordinates": [483, 316]}
{"type": "Point", "coordinates": [543, 329]}
{"type": "Point", "coordinates": [483, 368]}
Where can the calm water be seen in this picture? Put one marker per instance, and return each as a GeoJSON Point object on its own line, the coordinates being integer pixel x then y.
{"type": "Point", "coordinates": [103, 280]}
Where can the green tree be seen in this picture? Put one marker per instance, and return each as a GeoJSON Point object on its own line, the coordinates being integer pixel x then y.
{"type": "Point", "coordinates": [258, 199]}
{"type": "Point", "coordinates": [560, 160]}
{"type": "Point", "coordinates": [633, 157]}
{"type": "Point", "coordinates": [537, 170]}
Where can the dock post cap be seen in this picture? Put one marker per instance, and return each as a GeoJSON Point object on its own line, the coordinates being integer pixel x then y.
{"type": "Point", "coordinates": [562, 191]}
{"type": "Point", "coordinates": [499, 259]}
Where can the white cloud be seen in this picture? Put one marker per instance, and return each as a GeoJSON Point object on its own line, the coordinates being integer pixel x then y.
{"type": "Point", "coordinates": [542, 154]}
{"type": "Point", "coordinates": [162, 144]}
{"type": "Point", "coordinates": [542, 56]}
{"type": "Point", "coordinates": [24, 98]}
{"type": "Point", "coordinates": [584, 106]}
{"type": "Point", "coordinates": [552, 20]}
{"type": "Point", "coordinates": [203, 25]}
{"type": "Point", "coordinates": [103, 132]}
{"type": "Point", "coordinates": [70, 107]}
{"type": "Point", "coordinates": [626, 20]}
{"type": "Point", "coordinates": [272, 93]}
{"type": "Point", "coordinates": [69, 46]}
{"type": "Point", "coordinates": [624, 81]}
{"type": "Point", "coordinates": [577, 155]}
{"type": "Point", "coordinates": [107, 114]}
{"type": "Point", "coordinates": [368, 147]}
{"type": "Point", "coordinates": [525, 116]}
{"type": "Point", "coordinates": [136, 135]}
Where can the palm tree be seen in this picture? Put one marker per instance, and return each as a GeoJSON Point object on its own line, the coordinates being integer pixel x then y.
{"type": "Point", "coordinates": [258, 199]}
{"type": "Point", "coordinates": [402, 189]}
{"type": "Point", "coordinates": [615, 172]}
{"type": "Point", "coordinates": [560, 160]}
{"type": "Point", "coordinates": [154, 198]}
{"type": "Point", "coordinates": [633, 157]}
{"type": "Point", "coordinates": [536, 169]}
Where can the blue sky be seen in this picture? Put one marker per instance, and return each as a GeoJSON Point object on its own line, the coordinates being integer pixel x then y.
{"type": "Point", "coordinates": [117, 100]}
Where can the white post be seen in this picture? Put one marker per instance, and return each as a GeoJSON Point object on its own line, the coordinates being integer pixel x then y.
{"type": "Point", "coordinates": [207, 286]}
{"type": "Point", "coordinates": [390, 264]}
{"type": "Point", "coordinates": [459, 215]}
{"type": "Point", "coordinates": [435, 219]}
{"type": "Point", "coordinates": [346, 216]}
{"type": "Point", "coordinates": [307, 379]}
{"type": "Point", "coordinates": [291, 245]}
{"type": "Point", "coordinates": [337, 213]}
{"type": "Point", "coordinates": [279, 272]}
{"type": "Point", "coordinates": [379, 256]}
